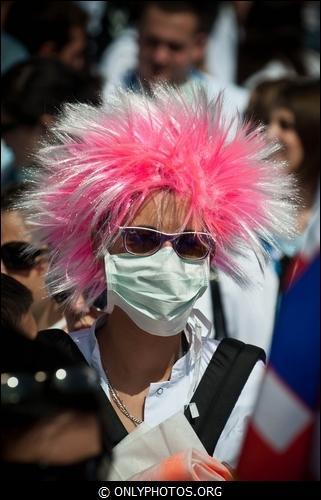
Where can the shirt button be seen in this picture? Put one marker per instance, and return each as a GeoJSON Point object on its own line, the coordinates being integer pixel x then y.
{"type": "Point", "coordinates": [159, 391]}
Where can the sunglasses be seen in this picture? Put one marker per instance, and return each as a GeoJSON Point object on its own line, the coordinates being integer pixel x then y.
{"type": "Point", "coordinates": [190, 245]}
{"type": "Point", "coordinates": [19, 255]}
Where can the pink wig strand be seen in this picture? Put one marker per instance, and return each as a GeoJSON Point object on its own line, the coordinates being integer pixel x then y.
{"type": "Point", "coordinates": [101, 164]}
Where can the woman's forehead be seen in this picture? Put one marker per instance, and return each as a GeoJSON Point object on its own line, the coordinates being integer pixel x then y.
{"type": "Point", "coordinates": [282, 112]}
{"type": "Point", "coordinates": [165, 211]}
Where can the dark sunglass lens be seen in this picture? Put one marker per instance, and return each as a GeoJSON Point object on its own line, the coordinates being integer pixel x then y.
{"type": "Point", "coordinates": [18, 255]}
{"type": "Point", "coordinates": [142, 241]}
{"type": "Point", "coordinates": [191, 246]}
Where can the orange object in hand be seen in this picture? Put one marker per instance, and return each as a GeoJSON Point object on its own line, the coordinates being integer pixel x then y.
{"type": "Point", "coordinates": [189, 465]}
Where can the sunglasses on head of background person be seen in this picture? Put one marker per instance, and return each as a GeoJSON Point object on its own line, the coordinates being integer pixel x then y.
{"type": "Point", "coordinates": [188, 245]}
{"type": "Point", "coordinates": [20, 255]}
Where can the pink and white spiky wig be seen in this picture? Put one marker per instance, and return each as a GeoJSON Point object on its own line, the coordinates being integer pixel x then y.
{"type": "Point", "coordinates": [102, 164]}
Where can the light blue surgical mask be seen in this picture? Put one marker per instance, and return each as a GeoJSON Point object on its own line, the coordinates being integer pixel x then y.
{"type": "Point", "coordinates": [157, 292]}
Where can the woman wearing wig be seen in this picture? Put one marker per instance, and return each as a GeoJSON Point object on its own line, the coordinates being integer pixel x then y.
{"type": "Point", "coordinates": [145, 196]}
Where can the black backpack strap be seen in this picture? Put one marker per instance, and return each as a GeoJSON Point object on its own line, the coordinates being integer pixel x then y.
{"type": "Point", "coordinates": [116, 430]}
{"type": "Point", "coordinates": [220, 328]}
{"type": "Point", "coordinates": [220, 387]}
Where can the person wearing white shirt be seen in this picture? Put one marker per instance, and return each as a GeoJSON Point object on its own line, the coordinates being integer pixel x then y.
{"type": "Point", "coordinates": [168, 397]}
{"type": "Point", "coordinates": [143, 197]}
{"type": "Point", "coordinates": [168, 46]}
{"type": "Point", "coordinates": [179, 40]}
{"type": "Point", "coordinates": [292, 112]}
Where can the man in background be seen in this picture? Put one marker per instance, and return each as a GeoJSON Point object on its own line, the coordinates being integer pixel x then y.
{"type": "Point", "coordinates": [172, 37]}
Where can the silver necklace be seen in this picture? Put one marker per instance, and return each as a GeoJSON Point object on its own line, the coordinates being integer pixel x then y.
{"type": "Point", "coordinates": [120, 404]}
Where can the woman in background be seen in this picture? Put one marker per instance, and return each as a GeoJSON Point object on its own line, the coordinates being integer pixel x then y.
{"type": "Point", "coordinates": [142, 196]}
{"type": "Point", "coordinates": [290, 109]}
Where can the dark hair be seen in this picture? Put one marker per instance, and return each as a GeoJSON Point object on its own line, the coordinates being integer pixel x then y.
{"type": "Point", "coordinates": [262, 99]}
{"type": "Point", "coordinates": [204, 12]}
{"type": "Point", "coordinates": [22, 355]}
{"type": "Point", "coordinates": [47, 353]}
{"type": "Point", "coordinates": [272, 30]}
{"type": "Point", "coordinates": [34, 23]}
{"type": "Point", "coordinates": [38, 86]}
{"type": "Point", "coordinates": [16, 300]}
{"type": "Point", "coordinates": [10, 198]}
{"type": "Point", "coordinates": [302, 97]}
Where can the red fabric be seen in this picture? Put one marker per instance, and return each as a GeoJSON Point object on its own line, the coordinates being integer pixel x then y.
{"type": "Point", "coordinates": [260, 462]}
{"type": "Point", "coordinates": [295, 269]}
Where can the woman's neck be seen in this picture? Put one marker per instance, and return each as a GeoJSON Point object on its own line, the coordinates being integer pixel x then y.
{"type": "Point", "coordinates": [132, 358]}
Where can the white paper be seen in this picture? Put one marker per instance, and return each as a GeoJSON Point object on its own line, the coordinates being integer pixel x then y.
{"type": "Point", "coordinates": [145, 446]}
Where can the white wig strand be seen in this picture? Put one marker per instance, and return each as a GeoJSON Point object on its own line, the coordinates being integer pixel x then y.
{"type": "Point", "coordinates": [101, 164]}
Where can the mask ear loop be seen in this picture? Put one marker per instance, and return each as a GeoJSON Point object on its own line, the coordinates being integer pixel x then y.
{"type": "Point", "coordinates": [206, 322]}
{"type": "Point", "coordinates": [198, 319]}
{"type": "Point", "coordinates": [197, 352]}
{"type": "Point", "coordinates": [110, 305]}
{"type": "Point", "coordinates": [198, 313]}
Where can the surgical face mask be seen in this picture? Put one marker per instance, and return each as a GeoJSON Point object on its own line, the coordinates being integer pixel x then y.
{"type": "Point", "coordinates": [157, 292]}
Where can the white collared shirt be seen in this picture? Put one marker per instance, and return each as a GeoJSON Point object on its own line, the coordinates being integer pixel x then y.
{"type": "Point", "coordinates": [167, 398]}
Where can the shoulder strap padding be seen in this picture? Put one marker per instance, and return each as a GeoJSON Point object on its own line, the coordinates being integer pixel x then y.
{"type": "Point", "coordinates": [220, 387]}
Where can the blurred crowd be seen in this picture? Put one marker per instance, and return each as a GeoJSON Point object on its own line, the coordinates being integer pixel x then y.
{"type": "Point", "coordinates": [263, 55]}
